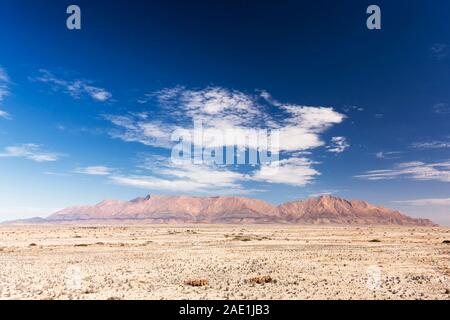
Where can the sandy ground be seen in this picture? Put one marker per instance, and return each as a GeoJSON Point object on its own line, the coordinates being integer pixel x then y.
{"type": "Point", "coordinates": [154, 262]}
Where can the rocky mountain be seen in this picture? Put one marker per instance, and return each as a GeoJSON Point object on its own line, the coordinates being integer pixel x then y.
{"type": "Point", "coordinates": [333, 210]}
{"type": "Point", "coordinates": [165, 209]}
{"type": "Point", "coordinates": [187, 209]}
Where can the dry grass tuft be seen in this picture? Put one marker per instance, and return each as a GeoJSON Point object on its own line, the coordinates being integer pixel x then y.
{"type": "Point", "coordinates": [197, 282]}
{"type": "Point", "coordinates": [261, 279]}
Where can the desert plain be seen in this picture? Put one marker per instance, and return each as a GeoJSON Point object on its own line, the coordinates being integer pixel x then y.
{"type": "Point", "coordinates": [66, 261]}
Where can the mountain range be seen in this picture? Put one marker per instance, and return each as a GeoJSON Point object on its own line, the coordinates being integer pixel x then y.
{"type": "Point", "coordinates": [188, 209]}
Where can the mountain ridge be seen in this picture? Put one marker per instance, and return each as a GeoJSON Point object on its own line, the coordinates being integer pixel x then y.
{"type": "Point", "coordinates": [240, 210]}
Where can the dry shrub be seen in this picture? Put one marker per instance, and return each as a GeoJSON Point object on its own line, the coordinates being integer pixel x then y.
{"type": "Point", "coordinates": [242, 238]}
{"type": "Point", "coordinates": [261, 279]}
{"type": "Point", "coordinates": [197, 282]}
{"type": "Point", "coordinates": [375, 240]}
{"type": "Point", "coordinates": [446, 241]}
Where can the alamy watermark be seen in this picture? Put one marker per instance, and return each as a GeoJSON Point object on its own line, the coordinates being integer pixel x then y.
{"type": "Point", "coordinates": [73, 278]}
{"type": "Point", "coordinates": [373, 281]}
{"type": "Point", "coordinates": [227, 146]}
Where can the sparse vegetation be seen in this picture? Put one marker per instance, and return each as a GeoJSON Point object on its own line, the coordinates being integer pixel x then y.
{"type": "Point", "coordinates": [375, 240]}
{"type": "Point", "coordinates": [446, 241]}
{"type": "Point", "coordinates": [217, 262]}
{"type": "Point", "coordinates": [242, 238]}
{"type": "Point", "coordinates": [261, 279]}
{"type": "Point", "coordinates": [197, 282]}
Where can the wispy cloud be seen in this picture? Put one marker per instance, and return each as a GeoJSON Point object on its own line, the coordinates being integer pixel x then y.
{"type": "Point", "coordinates": [76, 88]}
{"type": "Point", "coordinates": [294, 171]}
{"type": "Point", "coordinates": [324, 193]}
{"type": "Point", "coordinates": [338, 145]}
{"type": "Point", "coordinates": [185, 177]}
{"type": "Point", "coordinates": [388, 154]}
{"type": "Point", "coordinates": [5, 115]}
{"type": "Point", "coordinates": [441, 108]}
{"type": "Point", "coordinates": [222, 110]}
{"type": "Point", "coordinates": [440, 51]}
{"type": "Point", "coordinates": [426, 202]}
{"type": "Point", "coordinates": [95, 170]}
{"type": "Point", "coordinates": [431, 145]}
{"type": "Point", "coordinates": [352, 108]}
{"type": "Point", "coordinates": [415, 170]}
{"type": "Point", "coordinates": [29, 151]}
{"type": "Point", "coordinates": [4, 91]}
{"type": "Point", "coordinates": [57, 174]}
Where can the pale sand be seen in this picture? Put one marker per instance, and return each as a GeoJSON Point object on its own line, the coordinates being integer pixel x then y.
{"type": "Point", "coordinates": [153, 262]}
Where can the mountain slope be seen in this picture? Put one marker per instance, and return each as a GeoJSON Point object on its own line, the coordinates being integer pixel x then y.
{"type": "Point", "coordinates": [176, 209]}
{"type": "Point", "coordinates": [333, 210]}
{"type": "Point", "coordinates": [172, 209]}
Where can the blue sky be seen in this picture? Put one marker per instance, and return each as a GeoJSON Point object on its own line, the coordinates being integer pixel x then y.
{"type": "Point", "coordinates": [87, 115]}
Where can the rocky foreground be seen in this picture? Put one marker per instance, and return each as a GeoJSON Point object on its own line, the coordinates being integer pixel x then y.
{"type": "Point", "coordinates": [224, 262]}
{"type": "Point", "coordinates": [235, 210]}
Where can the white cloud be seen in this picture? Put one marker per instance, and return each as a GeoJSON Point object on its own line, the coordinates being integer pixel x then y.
{"type": "Point", "coordinates": [57, 174]}
{"type": "Point", "coordinates": [338, 145]}
{"type": "Point", "coordinates": [3, 75]}
{"type": "Point", "coordinates": [440, 51]}
{"type": "Point", "coordinates": [135, 130]}
{"type": "Point", "coordinates": [426, 202]}
{"type": "Point", "coordinates": [441, 108]}
{"type": "Point", "coordinates": [4, 114]}
{"type": "Point", "coordinates": [75, 88]}
{"type": "Point", "coordinates": [228, 114]}
{"type": "Point", "coordinates": [387, 154]}
{"type": "Point", "coordinates": [431, 145]}
{"type": "Point", "coordinates": [223, 110]}
{"type": "Point", "coordinates": [4, 91]}
{"type": "Point", "coordinates": [415, 170]}
{"type": "Point", "coordinates": [293, 171]}
{"type": "Point", "coordinates": [95, 170]}
{"type": "Point", "coordinates": [323, 193]}
{"type": "Point", "coordinates": [352, 108]}
{"type": "Point", "coordinates": [185, 177]}
{"type": "Point", "coordinates": [29, 151]}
